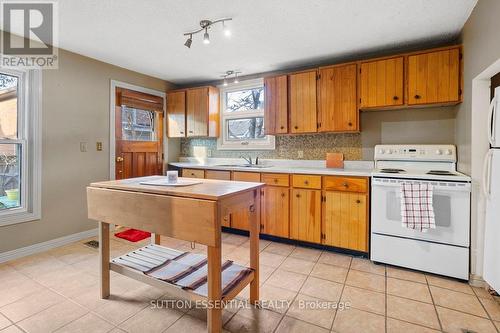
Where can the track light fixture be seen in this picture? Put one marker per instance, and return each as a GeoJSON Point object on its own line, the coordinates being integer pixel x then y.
{"type": "Point", "coordinates": [204, 26]}
{"type": "Point", "coordinates": [189, 41]}
{"type": "Point", "coordinates": [228, 74]}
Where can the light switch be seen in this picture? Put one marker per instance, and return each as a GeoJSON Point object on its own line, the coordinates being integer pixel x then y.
{"type": "Point", "coordinates": [98, 146]}
{"type": "Point", "coordinates": [83, 147]}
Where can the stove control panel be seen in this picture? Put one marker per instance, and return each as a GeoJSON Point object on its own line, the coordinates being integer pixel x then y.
{"type": "Point", "coordinates": [445, 153]}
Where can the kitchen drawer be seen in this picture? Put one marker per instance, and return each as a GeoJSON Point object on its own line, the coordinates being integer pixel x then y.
{"type": "Point", "coordinates": [241, 176]}
{"type": "Point", "coordinates": [346, 184]}
{"type": "Point", "coordinates": [217, 174]}
{"type": "Point", "coordinates": [193, 173]}
{"type": "Point", "coordinates": [276, 179]}
{"type": "Point", "coordinates": [306, 181]}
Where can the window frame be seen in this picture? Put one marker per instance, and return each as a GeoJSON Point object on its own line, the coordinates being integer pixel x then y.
{"type": "Point", "coordinates": [29, 138]}
{"type": "Point", "coordinates": [223, 143]}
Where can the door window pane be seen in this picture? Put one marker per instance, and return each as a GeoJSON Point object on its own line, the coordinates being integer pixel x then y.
{"type": "Point", "coordinates": [10, 176]}
{"type": "Point", "coordinates": [8, 106]}
{"type": "Point", "coordinates": [138, 125]}
{"type": "Point", "coordinates": [245, 128]}
{"type": "Point", "coordinates": [245, 100]}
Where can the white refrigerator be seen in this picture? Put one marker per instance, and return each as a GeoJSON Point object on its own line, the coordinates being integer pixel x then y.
{"type": "Point", "coordinates": [491, 187]}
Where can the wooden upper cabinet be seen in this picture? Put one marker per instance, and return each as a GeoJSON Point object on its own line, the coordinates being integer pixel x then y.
{"type": "Point", "coordinates": [338, 110]}
{"type": "Point", "coordinates": [276, 105]}
{"type": "Point", "coordinates": [381, 83]}
{"type": "Point", "coordinates": [202, 112]}
{"type": "Point", "coordinates": [176, 114]}
{"type": "Point", "coordinates": [302, 102]}
{"type": "Point", "coordinates": [434, 77]}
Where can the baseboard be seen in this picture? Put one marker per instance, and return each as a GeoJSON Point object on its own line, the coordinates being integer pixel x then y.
{"type": "Point", "coordinates": [477, 281]}
{"type": "Point", "coordinates": [44, 246]}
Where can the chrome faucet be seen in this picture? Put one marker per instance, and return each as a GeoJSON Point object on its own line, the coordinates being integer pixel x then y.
{"type": "Point", "coordinates": [248, 159]}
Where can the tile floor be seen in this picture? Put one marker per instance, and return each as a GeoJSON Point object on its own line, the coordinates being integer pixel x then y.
{"type": "Point", "coordinates": [57, 291]}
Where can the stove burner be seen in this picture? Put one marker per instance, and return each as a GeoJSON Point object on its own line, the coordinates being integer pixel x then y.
{"type": "Point", "coordinates": [441, 173]}
{"type": "Point", "coordinates": [392, 170]}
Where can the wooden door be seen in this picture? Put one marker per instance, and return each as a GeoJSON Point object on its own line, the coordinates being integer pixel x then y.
{"type": "Point", "coordinates": [275, 211]}
{"type": "Point", "coordinates": [239, 220]}
{"type": "Point", "coordinates": [305, 221]}
{"type": "Point", "coordinates": [176, 114]}
{"type": "Point", "coordinates": [434, 77]}
{"type": "Point", "coordinates": [338, 111]}
{"type": "Point", "coordinates": [276, 105]}
{"type": "Point", "coordinates": [302, 102]}
{"type": "Point", "coordinates": [381, 83]}
{"type": "Point", "coordinates": [345, 220]}
{"type": "Point", "coordinates": [138, 134]}
{"type": "Point", "coordinates": [197, 112]}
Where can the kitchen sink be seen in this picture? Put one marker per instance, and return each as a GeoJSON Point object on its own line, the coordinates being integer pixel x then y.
{"type": "Point", "coordinates": [257, 166]}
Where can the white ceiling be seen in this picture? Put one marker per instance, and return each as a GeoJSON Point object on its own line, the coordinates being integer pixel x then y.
{"type": "Point", "coordinates": [147, 36]}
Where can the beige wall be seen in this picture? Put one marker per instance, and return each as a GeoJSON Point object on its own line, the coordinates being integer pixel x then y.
{"type": "Point", "coordinates": [75, 108]}
{"type": "Point", "coordinates": [480, 38]}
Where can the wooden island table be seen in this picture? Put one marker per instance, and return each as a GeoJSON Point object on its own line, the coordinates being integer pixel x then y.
{"type": "Point", "coordinates": [191, 213]}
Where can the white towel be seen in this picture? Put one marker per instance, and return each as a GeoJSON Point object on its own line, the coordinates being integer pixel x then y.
{"type": "Point", "coordinates": [417, 211]}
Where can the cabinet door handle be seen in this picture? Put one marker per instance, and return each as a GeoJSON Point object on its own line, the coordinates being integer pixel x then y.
{"type": "Point", "coordinates": [417, 96]}
{"type": "Point", "coordinates": [190, 131]}
{"type": "Point", "coordinates": [181, 132]}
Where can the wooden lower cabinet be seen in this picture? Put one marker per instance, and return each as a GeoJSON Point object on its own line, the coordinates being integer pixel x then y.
{"type": "Point", "coordinates": [275, 211]}
{"type": "Point", "coordinates": [345, 220]}
{"type": "Point", "coordinates": [239, 220]}
{"type": "Point", "coordinates": [305, 220]}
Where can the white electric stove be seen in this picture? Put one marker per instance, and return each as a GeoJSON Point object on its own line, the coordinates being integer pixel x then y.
{"type": "Point", "coordinates": [444, 250]}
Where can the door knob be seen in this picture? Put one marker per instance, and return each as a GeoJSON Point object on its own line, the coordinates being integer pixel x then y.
{"type": "Point", "coordinates": [119, 159]}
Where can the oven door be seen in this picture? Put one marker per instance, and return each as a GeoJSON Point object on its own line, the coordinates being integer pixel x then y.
{"type": "Point", "coordinates": [451, 201]}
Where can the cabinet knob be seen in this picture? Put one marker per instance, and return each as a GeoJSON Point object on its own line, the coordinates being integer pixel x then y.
{"type": "Point", "coordinates": [297, 195]}
{"type": "Point", "coordinates": [275, 180]}
{"type": "Point", "coordinates": [181, 132]}
{"type": "Point", "coordinates": [190, 131]}
{"type": "Point", "coordinates": [282, 127]}
{"type": "Point", "coordinates": [345, 185]}
{"type": "Point", "coordinates": [296, 127]}
{"type": "Point", "coordinates": [395, 98]}
{"type": "Point", "coordinates": [358, 201]}
{"type": "Point", "coordinates": [306, 182]}
{"type": "Point", "coordinates": [350, 124]}
{"type": "Point", "coordinates": [282, 195]}
{"type": "Point", "coordinates": [418, 96]}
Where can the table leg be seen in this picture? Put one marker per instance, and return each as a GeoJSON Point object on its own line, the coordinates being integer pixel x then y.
{"type": "Point", "coordinates": [155, 239]}
{"type": "Point", "coordinates": [254, 218]}
{"type": "Point", "coordinates": [214, 312]}
{"type": "Point", "coordinates": [104, 258]}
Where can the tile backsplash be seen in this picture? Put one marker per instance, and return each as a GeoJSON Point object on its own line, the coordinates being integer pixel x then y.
{"type": "Point", "coordinates": [313, 146]}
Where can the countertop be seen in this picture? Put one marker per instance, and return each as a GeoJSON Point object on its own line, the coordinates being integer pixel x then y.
{"type": "Point", "coordinates": [313, 167]}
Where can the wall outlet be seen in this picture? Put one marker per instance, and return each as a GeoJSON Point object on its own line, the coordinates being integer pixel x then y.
{"type": "Point", "coordinates": [98, 146]}
{"type": "Point", "coordinates": [83, 147]}
{"type": "Point", "coordinates": [300, 154]}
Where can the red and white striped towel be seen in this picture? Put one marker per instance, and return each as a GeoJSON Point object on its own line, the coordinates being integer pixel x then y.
{"type": "Point", "coordinates": [417, 211]}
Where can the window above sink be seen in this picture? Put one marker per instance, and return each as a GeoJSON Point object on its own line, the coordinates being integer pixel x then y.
{"type": "Point", "coordinates": [242, 117]}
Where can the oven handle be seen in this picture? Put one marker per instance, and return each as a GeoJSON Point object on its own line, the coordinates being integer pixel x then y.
{"type": "Point", "coordinates": [441, 186]}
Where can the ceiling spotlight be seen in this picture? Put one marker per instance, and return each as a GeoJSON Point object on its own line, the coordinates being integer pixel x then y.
{"type": "Point", "coordinates": [206, 37]}
{"type": "Point", "coordinates": [224, 83]}
{"type": "Point", "coordinates": [189, 41]}
{"type": "Point", "coordinates": [236, 77]}
{"type": "Point", "coordinates": [204, 26]}
{"type": "Point", "coordinates": [228, 74]}
{"type": "Point", "coordinates": [225, 29]}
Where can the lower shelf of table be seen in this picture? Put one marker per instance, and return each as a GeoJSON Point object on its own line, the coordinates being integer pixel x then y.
{"type": "Point", "coordinates": [150, 255]}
